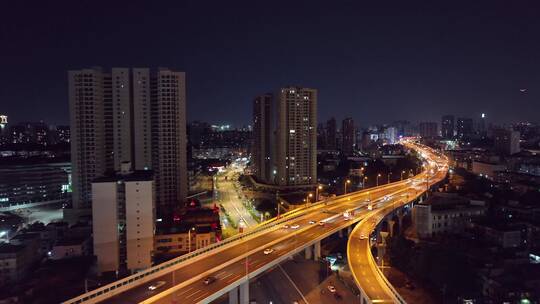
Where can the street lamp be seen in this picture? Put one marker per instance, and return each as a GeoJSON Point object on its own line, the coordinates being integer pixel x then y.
{"type": "Point", "coordinates": [317, 190]}
{"type": "Point", "coordinates": [347, 182]}
{"type": "Point", "coordinates": [402, 172]}
{"type": "Point", "coordinates": [278, 207]}
{"type": "Point", "coordinates": [310, 195]}
{"type": "Point", "coordinates": [378, 175]}
{"type": "Point", "coordinates": [189, 238]}
{"type": "Point", "coordinates": [365, 181]}
{"type": "Point", "coordinates": [390, 173]}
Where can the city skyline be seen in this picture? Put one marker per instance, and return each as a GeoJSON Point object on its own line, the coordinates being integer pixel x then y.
{"type": "Point", "coordinates": [438, 59]}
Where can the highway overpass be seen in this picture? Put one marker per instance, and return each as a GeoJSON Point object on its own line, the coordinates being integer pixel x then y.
{"type": "Point", "coordinates": [233, 262]}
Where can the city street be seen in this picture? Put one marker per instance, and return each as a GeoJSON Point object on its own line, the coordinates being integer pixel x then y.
{"type": "Point", "coordinates": [230, 197]}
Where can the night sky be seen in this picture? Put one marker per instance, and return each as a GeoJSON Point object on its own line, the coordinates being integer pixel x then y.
{"type": "Point", "coordinates": [376, 61]}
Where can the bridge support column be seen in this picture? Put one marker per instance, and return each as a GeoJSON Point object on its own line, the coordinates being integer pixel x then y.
{"type": "Point", "coordinates": [391, 224]}
{"type": "Point", "coordinates": [349, 230]}
{"type": "Point", "coordinates": [308, 253]}
{"type": "Point", "coordinates": [244, 293]}
{"type": "Point", "coordinates": [401, 215]}
{"type": "Point", "coordinates": [317, 251]}
{"type": "Point", "coordinates": [340, 234]}
{"type": "Point", "coordinates": [233, 296]}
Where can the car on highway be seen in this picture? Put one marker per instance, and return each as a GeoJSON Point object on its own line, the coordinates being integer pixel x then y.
{"type": "Point", "coordinates": [363, 237]}
{"type": "Point", "coordinates": [311, 222]}
{"type": "Point", "coordinates": [209, 280]}
{"type": "Point", "coordinates": [295, 226]}
{"type": "Point", "coordinates": [331, 288]}
{"type": "Point", "coordinates": [286, 226]}
{"type": "Point", "coordinates": [267, 251]}
{"type": "Point", "coordinates": [156, 285]}
{"type": "Point", "coordinates": [321, 223]}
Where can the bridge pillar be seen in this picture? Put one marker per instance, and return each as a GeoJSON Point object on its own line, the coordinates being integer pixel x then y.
{"type": "Point", "coordinates": [401, 215]}
{"type": "Point", "coordinates": [340, 233]}
{"type": "Point", "coordinates": [308, 252]}
{"type": "Point", "coordinates": [391, 224]}
{"type": "Point", "coordinates": [233, 296]}
{"type": "Point", "coordinates": [317, 251]}
{"type": "Point", "coordinates": [244, 293]}
{"type": "Point", "coordinates": [349, 230]}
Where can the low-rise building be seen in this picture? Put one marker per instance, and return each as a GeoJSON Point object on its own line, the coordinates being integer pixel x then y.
{"type": "Point", "coordinates": [445, 213]}
{"type": "Point", "coordinates": [16, 261]}
{"type": "Point", "coordinates": [501, 233]}
{"type": "Point", "coordinates": [70, 247]}
{"type": "Point", "coordinates": [178, 240]}
{"type": "Point", "coordinates": [487, 169]}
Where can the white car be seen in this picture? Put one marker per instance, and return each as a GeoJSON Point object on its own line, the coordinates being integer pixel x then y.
{"type": "Point", "coordinates": [267, 251]}
{"type": "Point", "coordinates": [295, 226]}
{"type": "Point", "coordinates": [311, 222]}
{"type": "Point", "coordinates": [286, 226]}
{"type": "Point", "coordinates": [156, 285]}
{"type": "Point", "coordinates": [331, 288]}
{"type": "Point", "coordinates": [321, 223]}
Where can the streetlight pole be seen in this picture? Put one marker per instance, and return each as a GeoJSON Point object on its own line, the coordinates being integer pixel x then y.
{"type": "Point", "coordinates": [347, 182]}
{"type": "Point", "coordinates": [402, 172]}
{"type": "Point", "coordinates": [377, 179]}
{"type": "Point", "coordinates": [365, 181]}
{"type": "Point", "coordinates": [189, 238]}
{"type": "Point", "coordinates": [389, 177]}
{"type": "Point", "coordinates": [319, 188]}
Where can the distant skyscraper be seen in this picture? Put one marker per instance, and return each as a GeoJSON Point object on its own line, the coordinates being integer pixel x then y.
{"type": "Point", "coordinates": [391, 135]}
{"type": "Point", "coordinates": [347, 131]}
{"type": "Point", "coordinates": [447, 127]}
{"type": "Point", "coordinates": [4, 138]}
{"type": "Point", "coordinates": [321, 137]}
{"type": "Point", "coordinates": [263, 138]}
{"type": "Point", "coordinates": [464, 127]}
{"type": "Point", "coordinates": [331, 134]}
{"type": "Point", "coordinates": [129, 115]}
{"type": "Point", "coordinates": [296, 136]}
{"type": "Point", "coordinates": [428, 129]}
{"type": "Point", "coordinates": [506, 141]}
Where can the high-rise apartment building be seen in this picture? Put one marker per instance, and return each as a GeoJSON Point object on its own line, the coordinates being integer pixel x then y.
{"type": "Point", "coordinates": [390, 134]}
{"type": "Point", "coordinates": [129, 115]}
{"type": "Point", "coordinates": [123, 221]}
{"type": "Point", "coordinates": [506, 141]}
{"type": "Point", "coordinates": [331, 134]}
{"type": "Point", "coordinates": [348, 136]}
{"type": "Point", "coordinates": [447, 127]}
{"type": "Point", "coordinates": [285, 137]}
{"type": "Point", "coordinates": [428, 129]}
{"type": "Point", "coordinates": [263, 138]}
{"type": "Point", "coordinates": [296, 136]}
{"type": "Point", "coordinates": [464, 127]}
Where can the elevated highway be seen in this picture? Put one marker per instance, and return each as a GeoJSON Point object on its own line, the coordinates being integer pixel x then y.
{"type": "Point", "coordinates": [235, 261]}
{"type": "Point", "coordinates": [372, 283]}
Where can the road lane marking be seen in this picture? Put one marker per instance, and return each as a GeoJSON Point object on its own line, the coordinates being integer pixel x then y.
{"type": "Point", "coordinates": [184, 291]}
{"type": "Point", "coordinates": [294, 285]}
{"type": "Point", "coordinates": [230, 274]}
{"type": "Point", "coordinates": [204, 295]}
{"type": "Point", "coordinates": [191, 295]}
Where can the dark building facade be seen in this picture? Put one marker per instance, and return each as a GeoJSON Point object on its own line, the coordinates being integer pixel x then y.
{"type": "Point", "coordinates": [348, 134]}
{"type": "Point", "coordinates": [447, 126]}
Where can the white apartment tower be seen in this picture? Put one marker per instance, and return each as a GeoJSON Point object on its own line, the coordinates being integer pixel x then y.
{"type": "Point", "coordinates": [296, 136]}
{"type": "Point", "coordinates": [129, 115]}
{"type": "Point", "coordinates": [123, 222]}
